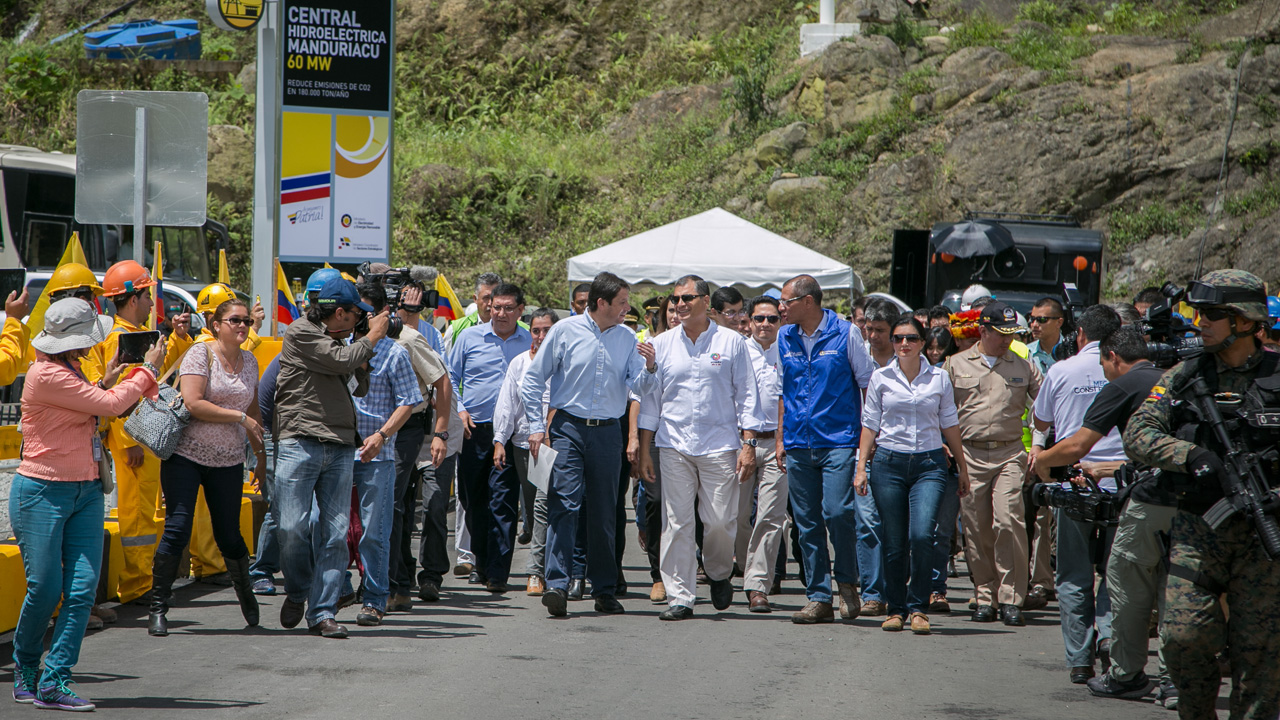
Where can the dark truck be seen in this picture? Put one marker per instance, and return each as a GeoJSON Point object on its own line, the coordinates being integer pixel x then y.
{"type": "Point", "coordinates": [1049, 250]}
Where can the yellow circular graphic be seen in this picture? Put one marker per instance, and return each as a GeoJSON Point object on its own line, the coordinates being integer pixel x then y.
{"type": "Point", "coordinates": [361, 142]}
{"type": "Point", "coordinates": [235, 14]}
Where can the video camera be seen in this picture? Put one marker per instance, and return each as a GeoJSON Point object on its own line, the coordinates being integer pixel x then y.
{"type": "Point", "coordinates": [395, 281]}
{"type": "Point", "coordinates": [1089, 505]}
{"type": "Point", "coordinates": [1072, 306]}
{"type": "Point", "coordinates": [1170, 342]}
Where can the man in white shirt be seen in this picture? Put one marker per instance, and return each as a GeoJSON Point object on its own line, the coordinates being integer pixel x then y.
{"type": "Point", "coordinates": [705, 391]}
{"type": "Point", "coordinates": [510, 423]}
{"type": "Point", "coordinates": [1069, 388]}
{"type": "Point", "coordinates": [756, 548]}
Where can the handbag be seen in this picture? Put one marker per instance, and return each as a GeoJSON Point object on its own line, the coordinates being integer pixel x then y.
{"type": "Point", "coordinates": [157, 425]}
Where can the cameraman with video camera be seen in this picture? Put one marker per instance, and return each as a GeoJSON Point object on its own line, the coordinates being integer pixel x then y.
{"type": "Point", "coordinates": [1069, 388]}
{"type": "Point", "coordinates": [1135, 570]}
{"type": "Point", "coordinates": [1209, 425]}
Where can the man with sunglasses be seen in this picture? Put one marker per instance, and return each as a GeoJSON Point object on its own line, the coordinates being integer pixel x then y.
{"type": "Point", "coordinates": [756, 548]}
{"type": "Point", "coordinates": [1208, 562]}
{"type": "Point", "coordinates": [1046, 321]}
{"type": "Point", "coordinates": [315, 420]}
{"type": "Point", "coordinates": [825, 367]}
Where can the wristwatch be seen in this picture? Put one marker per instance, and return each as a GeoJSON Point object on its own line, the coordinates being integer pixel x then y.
{"type": "Point", "coordinates": [752, 442]}
{"type": "Point", "coordinates": [385, 437]}
{"type": "Point", "coordinates": [442, 435]}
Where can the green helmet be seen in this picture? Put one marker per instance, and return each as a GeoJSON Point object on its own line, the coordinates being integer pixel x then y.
{"type": "Point", "coordinates": [1241, 291]}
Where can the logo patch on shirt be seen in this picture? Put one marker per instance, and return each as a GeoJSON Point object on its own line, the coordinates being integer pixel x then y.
{"type": "Point", "coordinates": [1157, 393]}
{"type": "Point", "coordinates": [715, 358]}
{"type": "Point", "coordinates": [1017, 380]}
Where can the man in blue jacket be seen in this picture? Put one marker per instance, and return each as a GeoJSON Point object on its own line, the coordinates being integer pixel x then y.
{"type": "Point", "coordinates": [825, 367]}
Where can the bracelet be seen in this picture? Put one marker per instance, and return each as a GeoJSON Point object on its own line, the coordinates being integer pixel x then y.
{"type": "Point", "coordinates": [152, 368]}
{"type": "Point", "coordinates": [241, 420]}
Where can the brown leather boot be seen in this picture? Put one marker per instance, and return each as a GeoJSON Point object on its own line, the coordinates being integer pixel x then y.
{"type": "Point", "coordinates": [813, 613]}
{"type": "Point", "coordinates": [850, 601]}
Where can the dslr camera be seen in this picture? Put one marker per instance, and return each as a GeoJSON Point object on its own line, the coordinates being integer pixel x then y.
{"type": "Point", "coordinates": [1087, 505]}
{"type": "Point", "coordinates": [394, 282]}
{"type": "Point", "coordinates": [1173, 338]}
{"type": "Point", "coordinates": [1073, 305]}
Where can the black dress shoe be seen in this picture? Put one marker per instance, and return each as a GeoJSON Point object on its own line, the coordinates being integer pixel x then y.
{"type": "Point", "coordinates": [524, 537]}
{"type": "Point", "coordinates": [291, 613]}
{"type": "Point", "coordinates": [1012, 615]}
{"type": "Point", "coordinates": [429, 591]}
{"type": "Point", "coordinates": [555, 602]}
{"type": "Point", "coordinates": [609, 604]}
{"type": "Point", "coordinates": [576, 589]}
{"type": "Point", "coordinates": [776, 587]}
{"type": "Point", "coordinates": [676, 612]}
{"type": "Point", "coordinates": [495, 587]}
{"type": "Point", "coordinates": [620, 588]}
{"type": "Point", "coordinates": [721, 593]}
{"type": "Point", "coordinates": [1080, 675]}
{"type": "Point", "coordinates": [328, 628]}
{"type": "Point", "coordinates": [475, 578]}
{"type": "Point", "coordinates": [984, 613]}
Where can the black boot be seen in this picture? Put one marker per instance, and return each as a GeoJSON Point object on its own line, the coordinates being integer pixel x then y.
{"type": "Point", "coordinates": [164, 568]}
{"type": "Point", "coordinates": [239, 570]}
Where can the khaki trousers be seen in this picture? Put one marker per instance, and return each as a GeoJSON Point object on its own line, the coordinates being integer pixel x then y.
{"type": "Point", "coordinates": [995, 534]}
{"type": "Point", "coordinates": [1042, 549]}
{"type": "Point", "coordinates": [756, 548]}
{"type": "Point", "coordinates": [712, 479]}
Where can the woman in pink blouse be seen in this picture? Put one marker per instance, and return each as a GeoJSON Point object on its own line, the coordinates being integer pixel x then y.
{"type": "Point", "coordinates": [56, 501]}
{"type": "Point", "coordinates": [220, 388]}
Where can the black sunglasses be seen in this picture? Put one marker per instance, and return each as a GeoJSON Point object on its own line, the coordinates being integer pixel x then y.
{"type": "Point", "coordinates": [906, 338]}
{"type": "Point", "coordinates": [771, 319]}
{"type": "Point", "coordinates": [237, 320]}
{"type": "Point", "coordinates": [1043, 318]}
{"type": "Point", "coordinates": [686, 299]}
{"type": "Point", "coordinates": [1214, 314]}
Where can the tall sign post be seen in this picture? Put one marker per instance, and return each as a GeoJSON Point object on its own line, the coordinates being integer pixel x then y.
{"type": "Point", "coordinates": [266, 126]}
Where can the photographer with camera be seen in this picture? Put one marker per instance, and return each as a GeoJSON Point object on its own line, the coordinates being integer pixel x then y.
{"type": "Point", "coordinates": [1180, 429]}
{"type": "Point", "coordinates": [1135, 569]}
{"type": "Point", "coordinates": [1069, 389]}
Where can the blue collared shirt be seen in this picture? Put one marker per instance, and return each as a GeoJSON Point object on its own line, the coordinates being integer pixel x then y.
{"type": "Point", "coordinates": [433, 336]}
{"type": "Point", "coordinates": [478, 364]}
{"type": "Point", "coordinates": [589, 371]}
{"type": "Point", "coordinates": [392, 384]}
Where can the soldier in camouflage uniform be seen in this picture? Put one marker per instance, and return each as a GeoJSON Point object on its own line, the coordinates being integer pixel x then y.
{"type": "Point", "coordinates": [1206, 563]}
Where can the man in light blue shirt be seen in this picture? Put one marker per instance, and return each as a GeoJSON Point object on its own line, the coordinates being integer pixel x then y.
{"type": "Point", "coordinates": [591, 361]}
{"type": "Point", "coordinates": [490, 497]}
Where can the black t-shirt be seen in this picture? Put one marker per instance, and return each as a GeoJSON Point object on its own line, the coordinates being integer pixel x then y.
{"type": "Point", "coordinates": [1113, 407]}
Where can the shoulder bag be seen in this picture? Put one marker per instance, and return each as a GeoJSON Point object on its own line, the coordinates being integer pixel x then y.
{"type": "Point", "coordinates": [157, 425]}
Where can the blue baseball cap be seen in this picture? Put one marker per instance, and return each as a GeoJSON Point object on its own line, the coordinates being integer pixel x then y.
{"type": "Point", "coordinates": [774, 293]}
{"type": "Point", "coordinates": [341, 292]}
{"type": "Point", "coordinates": [1273, 309]}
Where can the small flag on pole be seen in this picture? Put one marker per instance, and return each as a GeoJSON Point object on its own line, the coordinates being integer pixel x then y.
{"type": "Point", "coordinates": [224, 275]}
{"type": "Point", "coordinates": [73, 253]}
{"type": "Point", "coordinates": [157, 290]}
{"type": "Point", "coordinates": [286, 309]}
{"type": "Point", "coordinates": [449, 307]}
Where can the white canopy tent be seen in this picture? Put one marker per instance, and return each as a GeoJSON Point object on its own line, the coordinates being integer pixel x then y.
{"type": "Point", "coordinates": [719, 246]}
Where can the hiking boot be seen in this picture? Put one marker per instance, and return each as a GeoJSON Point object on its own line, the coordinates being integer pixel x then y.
{"type": "Point", "coordinates": [60, 697]}
{"type": "Point", "coordinates": [369, 616]}
{"type": "Point", "coordinates": [938, 603]}
{"type": "Point", "coordinates": [850, 601]}
{"type": "Point", "coordinates": [813, 613]}
{"type": "Point", "coordinates": [399, 603]}
{"type": "Point", "coordinates": [1167, 695]}
{"type": "Point", "coordinates": [428, 591]}
{"type": "Point", "coordinates": [1108, 687]}
{"type": "Point", "coordinates": [872, 608]}
{"type": "Point", "coordinates": [24, 684]}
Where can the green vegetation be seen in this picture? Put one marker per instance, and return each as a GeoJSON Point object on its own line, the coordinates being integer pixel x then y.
{"type": "Point", "coordinates": [1259, 202]}
{"type": "Point", "coordinates": [1129, 227]}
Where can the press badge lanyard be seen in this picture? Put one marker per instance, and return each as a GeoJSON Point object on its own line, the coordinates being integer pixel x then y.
{"type": "Point", "coordinates": [97, 438]}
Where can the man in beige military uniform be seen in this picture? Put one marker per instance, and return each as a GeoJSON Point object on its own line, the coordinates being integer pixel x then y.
{"type": "Point", "coordinates": [993, 387]}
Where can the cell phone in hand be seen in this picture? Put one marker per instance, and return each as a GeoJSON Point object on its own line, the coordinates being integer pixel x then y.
{"type": "Point", "coordinates": [134, 346]}
{"type": "Point", "coordinates": [12, 281]}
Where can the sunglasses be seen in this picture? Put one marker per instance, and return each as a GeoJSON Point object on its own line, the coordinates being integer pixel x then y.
{"type": "Point", "coordinates": [1043, 318]}
{"type": "Point", "coordinates": [237, 320]}
{"type": "Point", "coordinates": [771, 319]}
{"type": "Point", "coordinates": [912, 338]}
{"type": "Point", "coordinates": [686, 299]}
{"type": "Point", "coordinates": [1214, 314]}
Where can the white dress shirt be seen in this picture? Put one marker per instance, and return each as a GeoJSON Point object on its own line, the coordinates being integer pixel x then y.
{"type": "Point", "coordinates": [509, 420]}
{"type": "Point", "coordinates": [909, 415]}
{"type": "Point", "coordinates": [768, 371]}
{"type": "Point", "coordinates": [706, 391]}
{"type": "Point", "coordinates": [1068, 390]}
{"type": "Point", "coordinates": [859, 352]}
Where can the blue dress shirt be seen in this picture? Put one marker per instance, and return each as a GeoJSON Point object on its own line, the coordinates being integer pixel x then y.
{"type": "Point", "coordinates": [433, 336]}
{"type": "Point", "coordinates": [392, 384]}
{"type": "Point", "coordinates": [478, 364]}
{"type": "Point", "coordinates": [589, 371]}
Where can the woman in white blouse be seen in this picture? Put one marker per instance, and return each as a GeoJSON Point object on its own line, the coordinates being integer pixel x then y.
{"type": "Point", "coordinates": [909, 409]}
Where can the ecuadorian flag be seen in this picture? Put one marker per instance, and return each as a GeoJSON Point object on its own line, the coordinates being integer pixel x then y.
{"type": "Point", "coordinates": [449, 307]}
{"type": "Point", "coordinates": [286, 310]}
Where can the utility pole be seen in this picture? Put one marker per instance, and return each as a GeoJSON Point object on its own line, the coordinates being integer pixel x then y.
{"type": "Point", "coordinates": [815, 37]}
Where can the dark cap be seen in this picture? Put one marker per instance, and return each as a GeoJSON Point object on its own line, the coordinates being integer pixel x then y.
{"type": "Point", "coordinates": [999, 316]}
{"type": "Point", "coordinates": [632, 315]}
{"type": "Point", "coordinates": [340, 292]}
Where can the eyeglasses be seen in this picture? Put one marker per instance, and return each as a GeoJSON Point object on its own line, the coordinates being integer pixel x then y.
{"type": "Point", "coordinates": [733, 313]}
{"type": "Point", "coordinates": [502, 309]}
{"type": "Point", "coordinates": [912, 338]}
{"type": "Point", "coordinates": [785, 301]}
{"type": "Point", "coordinates": [1214, 314]}
{"type": "Point", "coordinates": [686, 299]}
{"type": "Point", "coordinates": [237, 320]}
{"type": "Point", "coordinates": [771, 319]}
{"type": "Point", "coordinates": [1043, 318]}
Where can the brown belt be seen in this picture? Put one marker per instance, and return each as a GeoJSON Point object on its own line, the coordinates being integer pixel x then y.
{"type": "Point", "coordinates": [989, 444]}
{"type": "Point", "coordinates": [766, 435]}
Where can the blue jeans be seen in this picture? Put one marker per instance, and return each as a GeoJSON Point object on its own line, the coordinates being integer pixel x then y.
{"type": "Point", "coordinates": [945, 529]}
{"type": "Point", "coordinates": [59, 531]}
{"type": "Point", "coordinates": [822, 497]}
{"type": "Point", "coordinates": [375, 484]}
{"type": "Point", "coordinates": [584, 487]}
{"type": "Point", "coordinates": [313, 559]}
{"type": "Point", "coordinates": [1086, 615]}
{"type": "Point", "coordinates": [266, 559]}
{"type": "Point", "coordinates": [908, 489]}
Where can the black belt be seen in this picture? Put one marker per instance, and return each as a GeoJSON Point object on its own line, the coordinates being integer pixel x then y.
{"type": "Point", "coordinates": [583, 421]}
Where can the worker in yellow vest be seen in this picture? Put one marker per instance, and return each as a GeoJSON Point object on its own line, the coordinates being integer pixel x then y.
{"type": "Point", "coordinates": [128, 285]}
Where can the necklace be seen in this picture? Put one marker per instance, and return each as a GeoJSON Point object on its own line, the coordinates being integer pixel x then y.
{"type": "Point", "coordinates": [229, 367]}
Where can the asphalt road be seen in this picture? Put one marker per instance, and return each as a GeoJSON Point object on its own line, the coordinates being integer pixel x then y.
{"type": "Point", "coordinates": [474, 655]}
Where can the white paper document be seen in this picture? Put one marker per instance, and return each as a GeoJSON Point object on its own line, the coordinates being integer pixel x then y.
{"type": "Point", "coordinates": [540, 468]}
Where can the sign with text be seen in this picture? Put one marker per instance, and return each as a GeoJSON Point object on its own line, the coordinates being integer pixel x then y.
{"type": "Point", "coordinates": [336, 130]}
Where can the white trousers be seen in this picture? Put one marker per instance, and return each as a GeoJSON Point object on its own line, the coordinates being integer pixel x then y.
{"type": "Point", "coordinates": [462, 538]}
{"type": "Point", "coordinates": [712, 480]}
{"type": "Point", "coordinates": [756, 548]}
